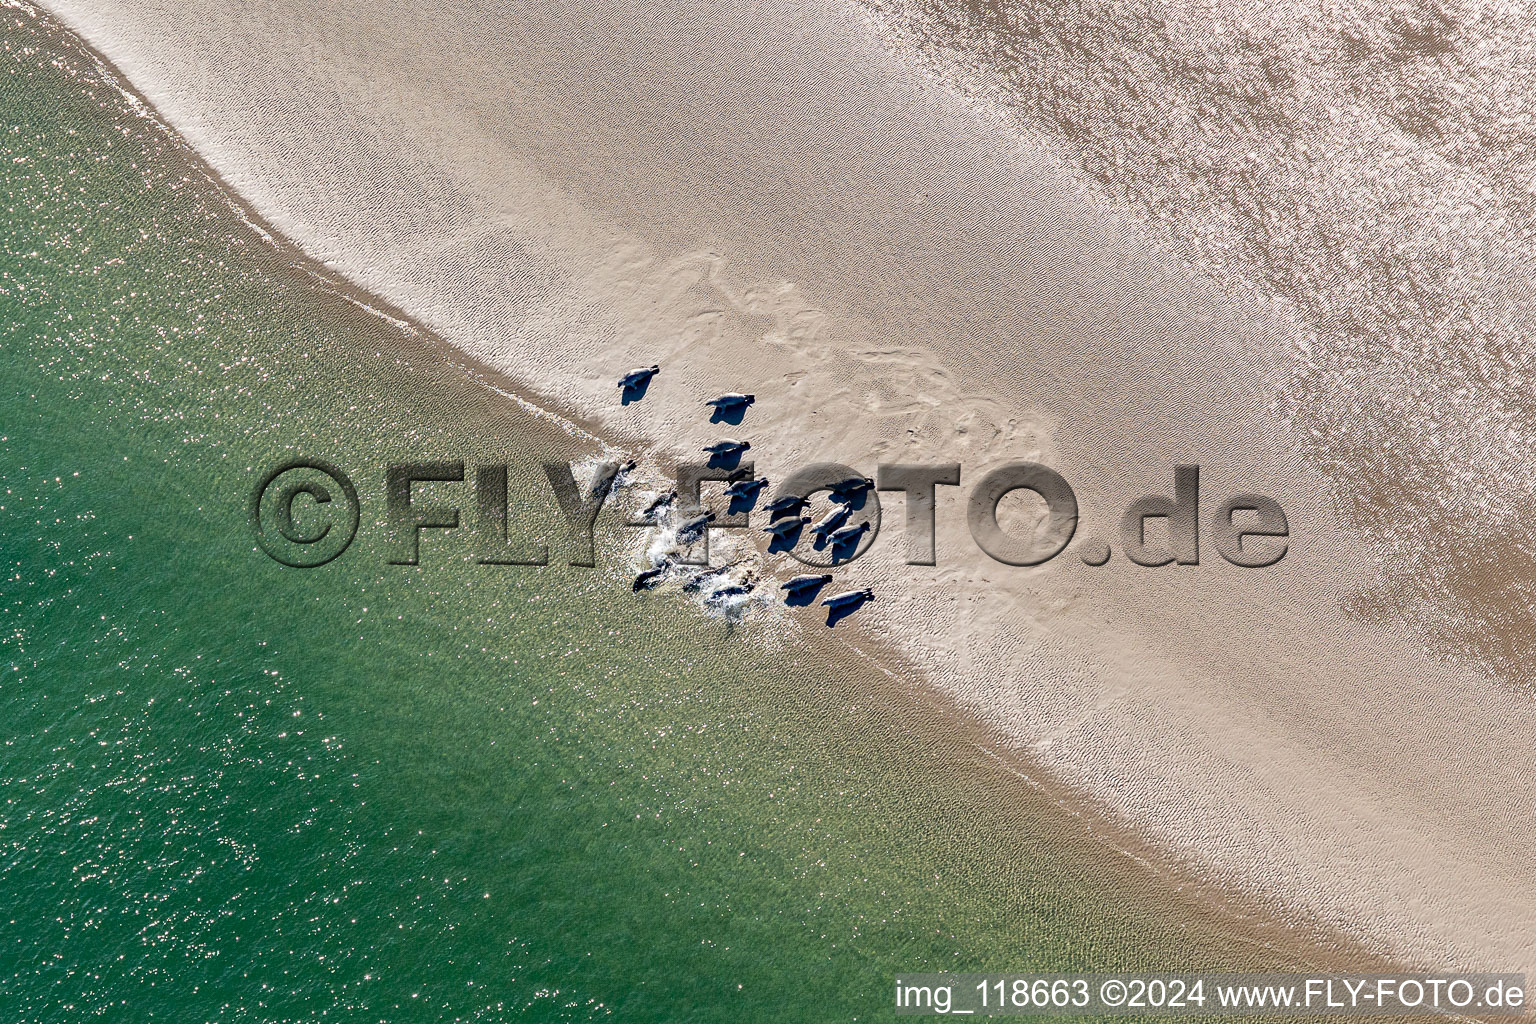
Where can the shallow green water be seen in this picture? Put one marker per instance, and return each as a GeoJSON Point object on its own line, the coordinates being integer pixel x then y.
{"type": "Point", "coordinates": [236, 791]}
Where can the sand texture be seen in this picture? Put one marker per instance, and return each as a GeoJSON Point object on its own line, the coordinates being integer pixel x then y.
{"type": "Point", "coordinates": [788, 200]}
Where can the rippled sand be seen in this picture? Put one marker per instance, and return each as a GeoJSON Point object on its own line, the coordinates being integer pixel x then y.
{"type": "Point", "coordinates": [1103, 237]}
{"type": "Point", "coordinates": [1370, 168]}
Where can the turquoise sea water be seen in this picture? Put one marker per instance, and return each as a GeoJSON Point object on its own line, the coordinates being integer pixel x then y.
{"type": "Point", "coordinates": [236, 791]}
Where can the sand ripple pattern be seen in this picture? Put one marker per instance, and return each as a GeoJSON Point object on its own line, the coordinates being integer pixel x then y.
{"type": "Point", "coordinates": [1369, 167]}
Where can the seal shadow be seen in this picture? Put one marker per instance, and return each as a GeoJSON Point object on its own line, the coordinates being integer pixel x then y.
{"type": "Point", "coordinates": [854, 501]}
{"type": "Point", "coordinates": [802, 598]}
{"type": "Point", "coordinates": [636, 392]}
{"type": "Point", "coordinates": [844, 550]}
{"type": "Point", "coordinates": [728, 460]}
{"type": "Point", "coordinates": [836, 615]}
{"type": "Point", "coordinates": [787, 541]}
{"type": "Point", "coordinates": [743, 502]}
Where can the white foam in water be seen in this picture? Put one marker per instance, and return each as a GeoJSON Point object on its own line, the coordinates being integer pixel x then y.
{"type": "Point", "coordinates": [658, 546]}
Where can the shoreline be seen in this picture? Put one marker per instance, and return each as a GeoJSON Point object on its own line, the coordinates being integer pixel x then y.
{"type": "Point", "coordinates": [361, 296]}
{"type": "Point", "coordinates": [1241, 916]}
{"type": "Point", "coordinates": [860, 845]}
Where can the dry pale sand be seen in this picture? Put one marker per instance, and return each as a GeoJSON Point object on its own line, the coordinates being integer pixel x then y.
{"type": "Point", "coordinates": [772, 199]}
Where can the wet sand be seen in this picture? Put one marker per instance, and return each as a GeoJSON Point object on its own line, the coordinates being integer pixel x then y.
{"type": "Point", "coordinates": [773, 202]}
